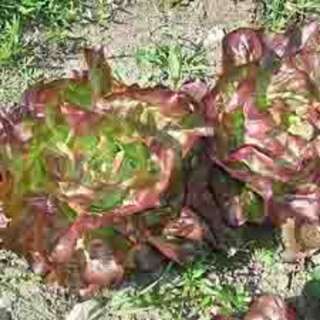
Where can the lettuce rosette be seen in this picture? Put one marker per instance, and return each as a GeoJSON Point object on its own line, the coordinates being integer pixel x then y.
{"type": "Point", "coordinates": [265, 113]}
{"type": "Point", "coordinates": [96, 167]}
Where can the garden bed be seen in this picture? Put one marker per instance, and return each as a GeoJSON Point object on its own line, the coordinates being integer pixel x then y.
{"type": "Point", "coordinates": [138, 37]}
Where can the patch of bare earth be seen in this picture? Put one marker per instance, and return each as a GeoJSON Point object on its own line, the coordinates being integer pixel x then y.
{"type": "Point", "coordinates": [193, 24]}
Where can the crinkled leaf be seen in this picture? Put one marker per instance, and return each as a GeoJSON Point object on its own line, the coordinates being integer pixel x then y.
{"type": "Point", "coordinates": [102, 153]}
{"type": "Point", "coordinates": [265, 113]}
{"type": "Point", "coordinates": [79, 94]}
{"type": "Point", "coordinates": [179, 252]}
{"type": "Point", "coordinates": [242, 46]}
{"type": "Point", "coordinates": [110, 200]}
{"type": "Point", "coordinates": [187, 226]}
{"type": "Point", "coordinates": [270, 307]}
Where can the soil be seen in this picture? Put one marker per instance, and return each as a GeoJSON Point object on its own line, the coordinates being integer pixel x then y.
{"type": "Point", "coordinates": [133, 24]}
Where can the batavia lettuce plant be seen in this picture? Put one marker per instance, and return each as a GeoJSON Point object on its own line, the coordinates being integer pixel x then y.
{"type": "Point", "coordinates": [79, 158]}
{"type": "Point", "coordinates": [265, 113]}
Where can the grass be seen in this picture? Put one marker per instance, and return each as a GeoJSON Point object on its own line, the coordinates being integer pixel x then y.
{"type": "Point", "coordinates": [15, 78]}
{"type": "Point", "coordinates": [278, 14]}
{"type": "Point", "coordinates": [16, 16]}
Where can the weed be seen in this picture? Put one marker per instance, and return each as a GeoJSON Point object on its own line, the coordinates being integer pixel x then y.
{"type": "Point", "coordinates": [265, 256]}
{"type": "Point", "coordinates": [170, 64]}
{"type": "Point", "coordinates": [231, 300]}
{"type": "Point", "coordinates": [192, 292]}
{"type": "Point", "coordinates": [277, 14]}
{"type": "Point", "coordinates": [179, 294]}
{"type": "Point", "coordinates": [17, 15]}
